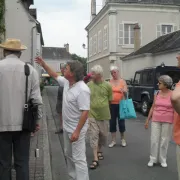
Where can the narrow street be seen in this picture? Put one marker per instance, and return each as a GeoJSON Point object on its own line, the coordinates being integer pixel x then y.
{"type": "Point", "coordinates": [129, 163]}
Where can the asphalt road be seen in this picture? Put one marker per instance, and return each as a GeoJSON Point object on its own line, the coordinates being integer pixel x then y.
{"type": "Point", "coordinates": [129, 163]}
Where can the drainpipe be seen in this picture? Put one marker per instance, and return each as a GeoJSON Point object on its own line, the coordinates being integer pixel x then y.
{"type": "Point", "coordinates": [32, 45]}
{"type": "Point", "coordinates": [88, 52]}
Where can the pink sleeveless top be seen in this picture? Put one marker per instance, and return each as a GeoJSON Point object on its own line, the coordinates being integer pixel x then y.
{"type": "Point", "coordinates": [163, 110]}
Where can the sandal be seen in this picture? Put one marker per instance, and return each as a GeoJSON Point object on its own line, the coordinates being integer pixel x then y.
{"type": "Point", "coordinates": [94, 164]}
{"type": "Point", "coordinates": [100, 156]}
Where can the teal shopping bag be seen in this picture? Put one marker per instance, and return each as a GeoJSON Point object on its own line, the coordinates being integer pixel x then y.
{"type": "Point", "coordinates": [126, 109]}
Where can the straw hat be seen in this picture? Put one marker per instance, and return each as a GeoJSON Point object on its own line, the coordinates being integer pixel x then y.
{"type": "Point", "coordinates": [13, 45]}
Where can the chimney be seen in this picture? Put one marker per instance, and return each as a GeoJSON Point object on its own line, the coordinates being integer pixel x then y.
{"type": "Point", "coordinates": [137, 39]}
{"type": "Point", "coordinates": [67, 47]}
{"type": "Point", "coordinates": [93, 9]}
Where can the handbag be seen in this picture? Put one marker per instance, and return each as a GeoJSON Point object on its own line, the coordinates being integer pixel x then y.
{"type": "Point", "coordinates": [126, 109]}
{"type": "Point", "coordinates": [30, 110]}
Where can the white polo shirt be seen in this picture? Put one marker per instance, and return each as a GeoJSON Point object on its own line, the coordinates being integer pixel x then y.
{"type": "Point", "coordinates": [75, 100]}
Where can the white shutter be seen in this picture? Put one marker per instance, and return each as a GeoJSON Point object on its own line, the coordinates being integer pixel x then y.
{"type": "Point", "coordinates": [93, 45]}
{"type": "Point", "coordinates": [141, 34]}
{"type": "Point", "coordinates": [158, 30]}
{"type": "Point", "coordinates": [121, 34]}
{"type": "Point", "coordinates": [175, 28]}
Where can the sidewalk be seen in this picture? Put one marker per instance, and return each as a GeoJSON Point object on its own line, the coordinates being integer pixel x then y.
{"type": "Point", "coordinates": [39, 167]}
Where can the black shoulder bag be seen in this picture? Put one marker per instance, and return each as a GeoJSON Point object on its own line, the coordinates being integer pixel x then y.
{"type": "Point", "coordinates": [30, 110]}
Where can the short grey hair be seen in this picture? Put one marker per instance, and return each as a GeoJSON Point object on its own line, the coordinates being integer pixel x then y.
{"type": "Point", "coordinates": [97, 69]}
{"type": "Point", "coordinates": [166, 80]}
{"type": "Point", "coordinates": [114, 68]}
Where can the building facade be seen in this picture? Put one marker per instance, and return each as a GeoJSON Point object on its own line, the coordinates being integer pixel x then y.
{"type": "Point", "coordinates": [111, 32]}
{"type": "Point", "coordinates": [21, 23]}
{"type": "Point", "coordinates": [162, 50]}
{"type": "Point", "coordinates": [55, 57]}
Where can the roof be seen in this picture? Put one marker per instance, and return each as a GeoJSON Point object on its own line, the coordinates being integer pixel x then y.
{"type": "Point", "coordinates": [166, 3]}
{"type": "Point", "coordinates": [160, 2]}
{"type": "Point", "coordinates": [54, 53]}
{"type": "Point", "coordinates": [164, 43]}
{"type": "Point", "coordinates": [33, 13]}
{"type": "Point", "coordinates": [39, 29]}
{"type": "Point", "coordinates": [29, 2]}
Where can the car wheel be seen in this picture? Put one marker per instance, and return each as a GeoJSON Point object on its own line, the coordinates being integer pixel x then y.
{"type": "Point", "coordinates": [145, 106]}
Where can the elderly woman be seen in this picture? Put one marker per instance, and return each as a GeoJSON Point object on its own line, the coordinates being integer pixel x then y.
{"type": "Point", "coordinates": [162, 115]}
{"type": "Point", "coordinates": [119, 87]}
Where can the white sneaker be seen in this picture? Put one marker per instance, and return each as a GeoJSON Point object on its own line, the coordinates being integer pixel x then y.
{"type": "Point", "coordinates": [123, 143]}
{"type": "Point", "coordinates": [112, 144]}
{"type": "Point", "coordinates": [150, 163]}
{"type": "Point", "coordinates": [164, 165]}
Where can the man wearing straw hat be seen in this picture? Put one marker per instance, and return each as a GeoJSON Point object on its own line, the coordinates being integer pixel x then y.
{"type": "Point", "coordinates": [12, 100]}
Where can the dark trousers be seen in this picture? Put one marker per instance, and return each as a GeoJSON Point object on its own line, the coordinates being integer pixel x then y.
{"type": "Point", "coordinates": [114, 108]}
{"type": "Point", "coordinates": [18, 144]}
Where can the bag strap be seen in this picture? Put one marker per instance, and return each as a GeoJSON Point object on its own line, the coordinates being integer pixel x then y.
{"type": "Point", "coordinates": [26, 72]}
{"type": "Point", "coordinates": [125, 95]}
{"type": "Point", "coordinates": [157, 93]}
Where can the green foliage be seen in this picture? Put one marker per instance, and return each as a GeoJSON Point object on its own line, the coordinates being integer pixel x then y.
{"type": "Point", "coordinates": [2, 22]}
{"type": "Point", "coordinates": [82, 60]}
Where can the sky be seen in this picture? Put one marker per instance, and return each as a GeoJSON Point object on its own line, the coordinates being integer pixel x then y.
{"type": "Point", "coordinates": [64, 21]}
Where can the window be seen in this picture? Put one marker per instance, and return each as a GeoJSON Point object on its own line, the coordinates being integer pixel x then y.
{"type": "Point", "coordinates": [126, 33]}
{"type": "Point", "coordinates": [62, 65]}
{"type": "Point", "coordinates": [137, 78]}
{"type": "Point", "coordinates": [166, 29]}
{"type": "Point", "coordinates": [105, 37]}
{"type": "Point", "coordinates": [99, 41]}
{"type": "Point", "coordinates": [95, 44]}
{"type": "Point", "coordinates": [163, 29]}
{"type": "Point", "coordinates": [147, 77]}
{"type": "Point", "coordinates": [90, 47]}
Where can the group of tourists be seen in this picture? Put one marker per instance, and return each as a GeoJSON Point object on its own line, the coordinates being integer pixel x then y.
{"type": "Point", "coordinates": [86, 107]}
{"type": "Point", "coordinates": [104, 98]}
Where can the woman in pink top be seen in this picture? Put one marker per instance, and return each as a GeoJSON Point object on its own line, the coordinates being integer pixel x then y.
{"type": "Point", "coordinates": [162, 115]}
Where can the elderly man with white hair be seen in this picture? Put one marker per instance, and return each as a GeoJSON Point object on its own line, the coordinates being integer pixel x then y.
{"type": "Point", "coordinates": [99, 116]}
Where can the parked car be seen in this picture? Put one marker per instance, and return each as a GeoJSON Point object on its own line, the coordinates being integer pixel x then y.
{"type": "Point", "coordinates": [144, 85]}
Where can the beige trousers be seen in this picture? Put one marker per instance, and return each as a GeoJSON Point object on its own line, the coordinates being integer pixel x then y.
{"type": "Point", "coordinates": [160, 137]}
{"type": "Point", "coordinates": [75, 154]}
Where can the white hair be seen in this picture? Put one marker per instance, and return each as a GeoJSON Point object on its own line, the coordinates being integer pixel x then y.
{"type": "Point", "coordinates": [114, 68]}
{"type": "Point", "coordinates": [97, 69]}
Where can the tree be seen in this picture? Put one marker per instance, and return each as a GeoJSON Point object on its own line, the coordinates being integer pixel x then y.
{"type": "Point", "coordinates": [82, 60]}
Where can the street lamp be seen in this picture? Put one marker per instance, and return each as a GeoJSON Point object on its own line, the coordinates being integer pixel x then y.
{"type": "Point", "coordinates": [84, 47]}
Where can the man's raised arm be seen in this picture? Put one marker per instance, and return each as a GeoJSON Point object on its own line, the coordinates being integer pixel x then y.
{"type": "Point", "coordinates": [42, 63]}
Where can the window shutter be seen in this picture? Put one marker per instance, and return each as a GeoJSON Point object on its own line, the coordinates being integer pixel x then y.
{"type": "Point", "coordinates": [141, 34]}
{"type": "Point", "coordinates": [175, 28]}
{"type": "Point", "coordinates": [120, 34]}
{"type": "Point", "coordinates": [158, 30]}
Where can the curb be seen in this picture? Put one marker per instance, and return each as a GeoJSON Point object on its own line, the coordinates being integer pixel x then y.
{"type": "Point", "coordinates": [46, 150]}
